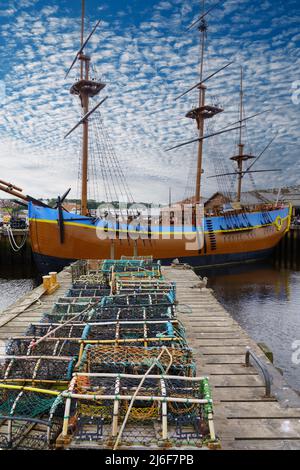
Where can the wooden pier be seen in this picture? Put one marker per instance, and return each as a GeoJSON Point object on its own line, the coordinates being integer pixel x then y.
{"type": "Point", "coordinates": [30, 308]}
{"type": "Point", "coordinates": [244, 417]}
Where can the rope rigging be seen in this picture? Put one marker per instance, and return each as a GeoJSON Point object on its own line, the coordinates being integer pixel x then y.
{"type": "Point", "coordinates": [103, 157]}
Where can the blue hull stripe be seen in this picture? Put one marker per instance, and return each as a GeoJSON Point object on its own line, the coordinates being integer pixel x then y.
{"type": "Point", "coordinates": [235, 222]}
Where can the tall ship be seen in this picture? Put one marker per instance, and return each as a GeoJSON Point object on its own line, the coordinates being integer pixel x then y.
{"type": "Point", "coordinates": [230, 233]}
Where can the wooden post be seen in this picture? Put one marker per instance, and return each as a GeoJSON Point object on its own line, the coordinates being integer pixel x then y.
{"type": "Point", "coordinates": [116, 410]}
{"type": "Point", "coordinates": [67, 409]}
{"type": "Point", "coordinates": [164, 411]}
{"type": "Point", "coordinates": [211, 427]}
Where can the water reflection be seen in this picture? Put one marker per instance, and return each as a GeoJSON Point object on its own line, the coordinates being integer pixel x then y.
{"type": "Point", "coordinates": [265, 301]}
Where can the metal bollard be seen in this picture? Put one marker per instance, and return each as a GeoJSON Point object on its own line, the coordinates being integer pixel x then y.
{"type": "Point", "coordinates": [47, 282]}
{"type": "Point", "coordinates": [53, 276]}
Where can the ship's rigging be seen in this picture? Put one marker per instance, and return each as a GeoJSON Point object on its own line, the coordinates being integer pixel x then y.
{"type": "Point", "coordinates": [99, 162]}
{"type": "Point", "coordinates": [203, 113]}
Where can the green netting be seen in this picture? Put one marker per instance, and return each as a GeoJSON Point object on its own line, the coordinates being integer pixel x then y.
{"type": "Point", "coordinates": [7, 399]}
{"type": "Point", "coordinates": [130, 265]}
{"type": "Point", "coordinates": [25, 403]}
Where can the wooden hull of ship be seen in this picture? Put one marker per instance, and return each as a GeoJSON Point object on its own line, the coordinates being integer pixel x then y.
{"type": "Point", "coordinates": [222, 244]}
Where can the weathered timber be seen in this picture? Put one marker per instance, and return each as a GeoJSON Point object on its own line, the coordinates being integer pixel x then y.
{"type": "Point", "coordinates": [244, 417]}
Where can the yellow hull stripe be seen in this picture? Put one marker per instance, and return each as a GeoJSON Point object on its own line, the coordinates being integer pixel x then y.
{"type": "Point", "coordinates": [74, 224]}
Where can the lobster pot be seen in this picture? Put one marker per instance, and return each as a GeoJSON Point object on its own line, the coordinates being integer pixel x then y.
{"type": "Point", "coordinates": [132, 331]}
{"type": "Point", "coordinates": [137, 299]}
{"type": "Point", "coordinates": [47, 347]}
{"type": "Point", "coordinates": [136, 360]}
{"type": "Point", "coordinates": [65, 331]}
{"type": "Point", "coordinates": [74, 304]}
{"type": "Point", "coordinates": [138, 289]}
{"type": "Point", "coordinates": [79, 268]}
{"type": "Point", "coordinates": [16, 368]}
{"type": "Point", "coordinates": [93, 279]}
{"type": "Point", "coordinates": [165, 408]}
{"type": "Point", "coordinates": [90, 292]}
{"type": "Point", "coordinates": [129, 265]}
{"type": "Point", "coordinates": [104, 314]}
{"type": "Point", "coordinates": [33, 419]}
{"type": "Point", "coordinates": [86, 285]}
{"type": "Point", "coordinates": [130, 286]}
{"type": "Point", "coordinates": [147, 312]}
{"type": "Point", "coordinates": [60, 317]}
{"type": "Point", "coordinates": [64, 311]}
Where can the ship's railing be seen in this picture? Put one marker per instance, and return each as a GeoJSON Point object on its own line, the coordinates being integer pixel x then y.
{"type": "Point", "coordinates": [244, 208]}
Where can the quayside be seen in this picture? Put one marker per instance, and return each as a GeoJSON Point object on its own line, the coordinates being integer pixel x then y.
{"type": "Point", "coordinates": [228, 233]}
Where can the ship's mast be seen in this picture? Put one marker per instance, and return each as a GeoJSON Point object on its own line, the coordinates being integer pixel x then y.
{"type": "Point", "coordinates": [241, 157]}
{"type": "Point", "coordinates": [82, 34]}
{"type": "Point", "coordinates": [241, 145]}
{"type": "Point", "coordinates": [85, 89]}
{"type": "Point", "coordinates": [203, 111]}
{"type": "Point", "coordinates": [84, 71]}
{"type": "Point", "coordinates": [202, 89]}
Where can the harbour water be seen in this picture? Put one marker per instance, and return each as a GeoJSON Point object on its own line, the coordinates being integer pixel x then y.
{"type": "Point", "coordinates": [15, 281]}
{"type": "Point", "coordinates": [264, 300]}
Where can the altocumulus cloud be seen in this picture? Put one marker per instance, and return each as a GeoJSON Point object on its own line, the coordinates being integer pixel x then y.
{"type": "Point", "coordinates": [146, 56]}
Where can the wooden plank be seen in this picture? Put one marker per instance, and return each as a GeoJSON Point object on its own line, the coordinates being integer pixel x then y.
{"type": "Point", "coordinates": [12, 320]}
{"type": "Point", "coordinates": [233, 380]}
{"type": "Point", "coordinates": [224, 369]}
{"type": "Point", "coordinates": [260, 410]}
{"type": "Point", "coordinates": [224, 359]}
{"type": "Point", "coordinates": [265, 428]}
{"type": "Point", "coordinates": [194, 320]}
{"type": "Point", "coordinates": [219, 328]}
{"type": "Point", "coordinates": [197, 326]}
{"type": "Point", "coordinates": [233, 394]}
{"type": "Point", "coordinates": [220, 342]}
{"type": "Point", "coordinates": [263, 444]}
{"type": "Point", "coordinates": [20, 306]}
{"type": "Point", "coordinates": [219, 335]}
{"type": "Point", "coordinates": [221, 350]}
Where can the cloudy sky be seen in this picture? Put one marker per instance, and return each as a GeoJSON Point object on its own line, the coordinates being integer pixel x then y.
{"type": "Point", "coordinates": [146, 56]}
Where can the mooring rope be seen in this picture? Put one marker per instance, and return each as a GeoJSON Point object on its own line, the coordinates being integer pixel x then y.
{"type": "Point", "coordinates": [155, 362]}
{"type": "Point", "coordinates": [15, 247]}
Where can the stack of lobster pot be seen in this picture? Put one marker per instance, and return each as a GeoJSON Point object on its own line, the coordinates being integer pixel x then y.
{"type": "Point", "coordinates": [107, 367]}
